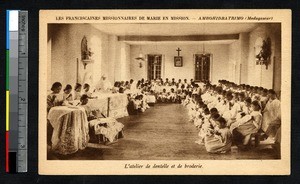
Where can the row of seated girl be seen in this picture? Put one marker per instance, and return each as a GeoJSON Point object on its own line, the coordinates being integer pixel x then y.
{"type": "Point", "coordinates": [254, 92]}
{"type": "Point", "coordinates": [56, 98]}
{"type": "Point", "coordinates": [137, 103]}
{"type": "Point", "coordinates": [160, 82]}
{"type": "Point", "coordinates": [230, 99]}
{"type": "Point", "coordinates": [170, 96]}
{"type": "Point", "coordinates": [176, 96]}
{"type": "Point", "coordinates": [217, 133]}
{"type": "Point", "coordinates": [213, 132]}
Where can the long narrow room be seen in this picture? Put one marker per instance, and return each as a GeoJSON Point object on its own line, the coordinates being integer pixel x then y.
{"type": "Point", "coordinates": [202, 91]}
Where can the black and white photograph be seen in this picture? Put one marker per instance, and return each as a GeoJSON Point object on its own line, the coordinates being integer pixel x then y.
{"type": "Point", "coordinates": [144, 88]}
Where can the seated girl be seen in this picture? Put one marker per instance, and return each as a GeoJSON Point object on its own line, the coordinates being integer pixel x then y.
{"type": "Point", "coordinates": [67, 95]}
{"type": "Point", "coordinates": [222, 104]}
{"type": "Point", "coordinates": [54, 98]}
{"type": "Point", "coordinates": [121, 90]}
{"type": "Point", "coordinates": [232, 109]}
{"type": "Point", "coordinates": [241, 100]}
{"type": "Point", "coordinates": [199, 116]}
{"type": "Point", "coordinates": [245, 108]}
{"type": "Point", "coordinates": [219, 139]}
{"type": "Point", "coordinates": [116, 87]}
{"type": "Point", "coordinates": [185, 98]}
{"type": "Point", "coordinates": [188, 100]}
{"type": "Point", "coordinates": [204, 125]}
{"type": "Point", "coordinates": [144, 103]}
{"type": "Point", "coordinates": [77, 91]}
{"type": "Point", "coordinates": [151, 97]}
{"type": "Point", "coordinates": [192, 109]}
{"type": "Point", "coordinates": [86, 88]}
{"type": "Point", "coordinates": [179, 95]}
{"type": "Point", "coordinates": [162, 97]}
{"type": "Point", "coordinates": [247, 125]}
{"type": "Point", "coordinates": [83, 103]}
{"type": "Point", "coordinates": [172, 96]}
{"type": "Point", "coordinates": [127, 85]}
{"type": "Point", "coordinates": [264, 98]}
{"type": "Point", "coordinates": [131, 107]}
{"type": "Point", "coordinates": [137, 103]}
{"type": "Point", "coordinates": [213, 112]}
{"type": "Point", "coordinates": [217, 98]}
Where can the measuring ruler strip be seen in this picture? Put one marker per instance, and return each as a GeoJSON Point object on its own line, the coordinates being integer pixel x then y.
{"type": "Point", "coordinates": [22, 155]}
{"type": "Point", "coordinates": [16, 91]}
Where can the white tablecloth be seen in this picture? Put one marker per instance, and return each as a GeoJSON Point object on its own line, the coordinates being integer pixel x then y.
{"type": "Point", "coordinates": [116, 103]}
{"type": "Point", "coordinates": [70, 129]}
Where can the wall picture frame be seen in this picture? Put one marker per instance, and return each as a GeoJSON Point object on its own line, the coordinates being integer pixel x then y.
{"type": "Point", "coordinates": [178, 61]}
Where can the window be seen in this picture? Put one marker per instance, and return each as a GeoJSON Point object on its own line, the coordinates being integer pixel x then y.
{"type": "Point", "coordinates": [202, 67]}
{"type": "Point", "coordinates": [154, 66]}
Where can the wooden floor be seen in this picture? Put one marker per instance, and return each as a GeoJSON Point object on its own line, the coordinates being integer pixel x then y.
{"type": "Point", "coordinates": [161, 133]}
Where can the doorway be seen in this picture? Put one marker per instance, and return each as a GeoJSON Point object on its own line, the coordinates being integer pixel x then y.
{"type": "Point", "coordinates": [202, 67]}
{"type": "Point", "coordinates": [154, 66]}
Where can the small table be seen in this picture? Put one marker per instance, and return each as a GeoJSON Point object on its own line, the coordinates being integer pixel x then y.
{"type": "Point", "coordinates": [70, 129]}
{"type": "Point", "coordinates": [111, 105]}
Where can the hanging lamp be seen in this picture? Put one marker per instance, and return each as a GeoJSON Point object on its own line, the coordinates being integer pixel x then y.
{"type": "Point", "coordinates": [140, 56]}
{"type": "Point", "coordinates": [203, 44]}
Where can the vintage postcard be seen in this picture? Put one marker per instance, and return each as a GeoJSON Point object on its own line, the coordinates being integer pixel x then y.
{"type": "Point", "coordinates": [165, 92]}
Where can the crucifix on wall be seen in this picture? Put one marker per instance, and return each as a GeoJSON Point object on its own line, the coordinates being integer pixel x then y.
{"type": "Point", "coordinates": [178, 62]}
{"type": "Point", "coordinates": [178, 50]}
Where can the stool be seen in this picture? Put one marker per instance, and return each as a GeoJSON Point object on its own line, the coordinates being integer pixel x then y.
{"type": "Point", "coordinates": [254, 139]}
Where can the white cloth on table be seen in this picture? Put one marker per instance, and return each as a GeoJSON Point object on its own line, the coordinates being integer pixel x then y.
{"type": "Point", "coordinates": [110, 131]}
{"type": "Point", "coordinates": [70, 129]}
{"type": "Point", "coordinates": [117, 104]}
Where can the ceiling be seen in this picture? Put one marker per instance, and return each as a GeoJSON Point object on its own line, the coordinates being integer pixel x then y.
{"type": "Point", "coordinates": [183, 29]}
{"type": "Point", "coordinates": [179, 42]}
{"type": "Point", "coordinates": [175, 29]}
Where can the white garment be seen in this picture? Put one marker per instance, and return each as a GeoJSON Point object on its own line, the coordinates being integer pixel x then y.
{"type": "Point", "coordinates": [272, 113]}
{"type": "Point", "coordinates": [221, 107]}
{"type": "Point", "coordinates": [230, 113]}
{"type": "Point", "coordinates": [103, 85]}
{"type": "Point", "coordinates": [77, 95]}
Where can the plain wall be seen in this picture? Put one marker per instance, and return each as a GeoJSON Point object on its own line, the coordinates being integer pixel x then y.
{"type": "Point", "coordinates": [242, 62]}
{"type": "Point", "coordinates": [64, 42]}
{"type": "Point", "coordinates": [259, 75]}
{"type": "Point", "coordinates": [219, 60]}
{"type": "Point", "coordinates": [238, 59]}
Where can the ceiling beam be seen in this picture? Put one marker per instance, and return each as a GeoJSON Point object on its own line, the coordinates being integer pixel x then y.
{"type": "Point", "coordinates": [179, 38]}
